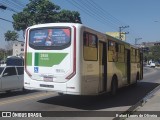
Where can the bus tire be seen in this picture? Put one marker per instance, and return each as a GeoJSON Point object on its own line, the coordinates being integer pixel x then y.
{"type": "Point", "coordinates": [114, 86]}
{"type": "Point", "coordinates": [137, 78]}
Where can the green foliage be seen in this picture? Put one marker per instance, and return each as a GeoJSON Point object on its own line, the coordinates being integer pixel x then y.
{"type": "Point", "coordinates": [11, 35]}
{"type": "Point", "coordinates": [2, 54]}
{"type": "Point", "coordinates": [69, 16]}
{"type": "Point", "coordinates": [153, 53]}
{"type": "Point", "coordinates": [42, 11]}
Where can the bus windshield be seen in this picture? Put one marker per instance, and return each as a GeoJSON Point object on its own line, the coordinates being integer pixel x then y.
{"type": "Point", "coordinates": [53, 38]}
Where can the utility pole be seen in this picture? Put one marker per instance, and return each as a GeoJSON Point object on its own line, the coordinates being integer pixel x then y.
{"type": "Point", "coordinates": [120, 31]}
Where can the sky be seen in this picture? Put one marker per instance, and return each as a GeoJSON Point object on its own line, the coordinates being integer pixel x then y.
{"type": "Point", "coordinates": [142, 17]}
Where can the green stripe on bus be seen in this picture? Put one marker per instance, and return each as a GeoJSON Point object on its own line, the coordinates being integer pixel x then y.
{"type": "Point", "coordinates": [48, 59]}
{"type": "Point", "coordinates": [29, 59]}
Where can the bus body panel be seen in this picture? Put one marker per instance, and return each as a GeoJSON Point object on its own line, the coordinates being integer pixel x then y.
{"type": "Point", "coordinates": [92, 83]}
{"type": "Point", "coordinates": [42, 64]}
{"type": "Point", "coordinates": [58, 70]}
{"type": "Point", "coordinates": [79, 68]}
{"type": "Point", "coordinates": [40, 85]}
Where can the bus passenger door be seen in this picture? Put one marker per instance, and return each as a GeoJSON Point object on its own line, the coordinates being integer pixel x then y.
{"type": "Point", "coordinates": [102, 67]}
{"type": "Point", "coordinates": [128, 65]}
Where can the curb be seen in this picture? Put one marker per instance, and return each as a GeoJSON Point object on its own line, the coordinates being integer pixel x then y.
{"type": "Point", "coordinates": [139, 104]}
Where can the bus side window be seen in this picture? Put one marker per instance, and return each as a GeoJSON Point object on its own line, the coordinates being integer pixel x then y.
{"type": "Point", "coordinates": [112, 49]}
{"type": "Point", "coordinates": [90, 50]}
{"type": "Point", "coordinates": [133, 55]}
{"type": "Point", "coordinates": [85, 39]}
{"type": "Point", "coordinates": [121, 53]}
{"type": "Point", "coordinates": [116, 47]}
{"type": "Point", "coordinates": [111, 45]}
{"type": "Point", "coordinates": [92, 41]}
{"type": "Point", "coordinates": [137, 56]}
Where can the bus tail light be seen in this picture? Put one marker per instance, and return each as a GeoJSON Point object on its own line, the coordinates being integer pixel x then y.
{"type": "Point", "coordinates": [25, 60]}
{"type": "Point", "coordinates": [74, 57]}
{"type": "Point", "coordinates": [71, 75]}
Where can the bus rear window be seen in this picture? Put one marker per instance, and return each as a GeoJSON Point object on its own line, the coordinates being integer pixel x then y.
{"type": "Point", "coordinates": [50, 38]}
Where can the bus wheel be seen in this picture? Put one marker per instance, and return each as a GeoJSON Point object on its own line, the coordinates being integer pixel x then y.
{"type": "Point", "coordinates": [137, 78]}
{"type": "Point", "coordinates": [114, 87]}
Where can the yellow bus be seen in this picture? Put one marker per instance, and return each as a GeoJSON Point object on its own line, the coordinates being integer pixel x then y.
{"type": "Point", "coordinates": [70, 58]}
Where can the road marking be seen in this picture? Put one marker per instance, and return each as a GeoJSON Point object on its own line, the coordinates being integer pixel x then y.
{"type": "Point", "coordinates": [25, 98]}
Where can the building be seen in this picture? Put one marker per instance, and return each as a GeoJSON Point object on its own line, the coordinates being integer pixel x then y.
{"type": "Point", "coordinates": [148, 44]}
{"type": "Point", "coordinates": [117, 35]}
{"type": "Point", "coordinates": [18, 48]}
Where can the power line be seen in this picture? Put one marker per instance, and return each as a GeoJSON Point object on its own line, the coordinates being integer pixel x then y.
{"type": "Point", "coordinates": [6, 7]}
{"type": "Point", "coordinates": [6, 20]}
{"type": "Point", "coordinates": [19, 3]}
{"type": "Point", "coordinates": [98, 13]}
{"type": "Point", "coordinates": [112, 17]}
{"type": "Point", "coordinates": [85, 11]}
{"type": "Point", "coordinates": [105, 13]}
{"type": "Point", "coordinates": [88, 7]}
{"type": "Point", "coordinates": [10, 5]}
{"type": "Point", "coordinates": [89, 12]}
{"type": "Point", "coordinates": [101, 15]}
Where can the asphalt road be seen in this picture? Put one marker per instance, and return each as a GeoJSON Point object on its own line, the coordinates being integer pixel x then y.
{"type": "Point", "coordinates": [50, 101]}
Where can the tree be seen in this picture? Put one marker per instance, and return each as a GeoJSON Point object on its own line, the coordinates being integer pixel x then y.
{"type": "Point", "coordinates": [11, 35]}
{"type": "Point", "coordinates": [69, 16]}
{"type": "Point", "coordinates": [153, 53]}
{"type": "Point", "coordinates": [43, 11]}
{"type": "Point", "coordinates": [2, 54]}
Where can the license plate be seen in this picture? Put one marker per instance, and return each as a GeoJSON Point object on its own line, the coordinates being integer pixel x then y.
{"type": "Point", "coordinates": [48, 79]}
